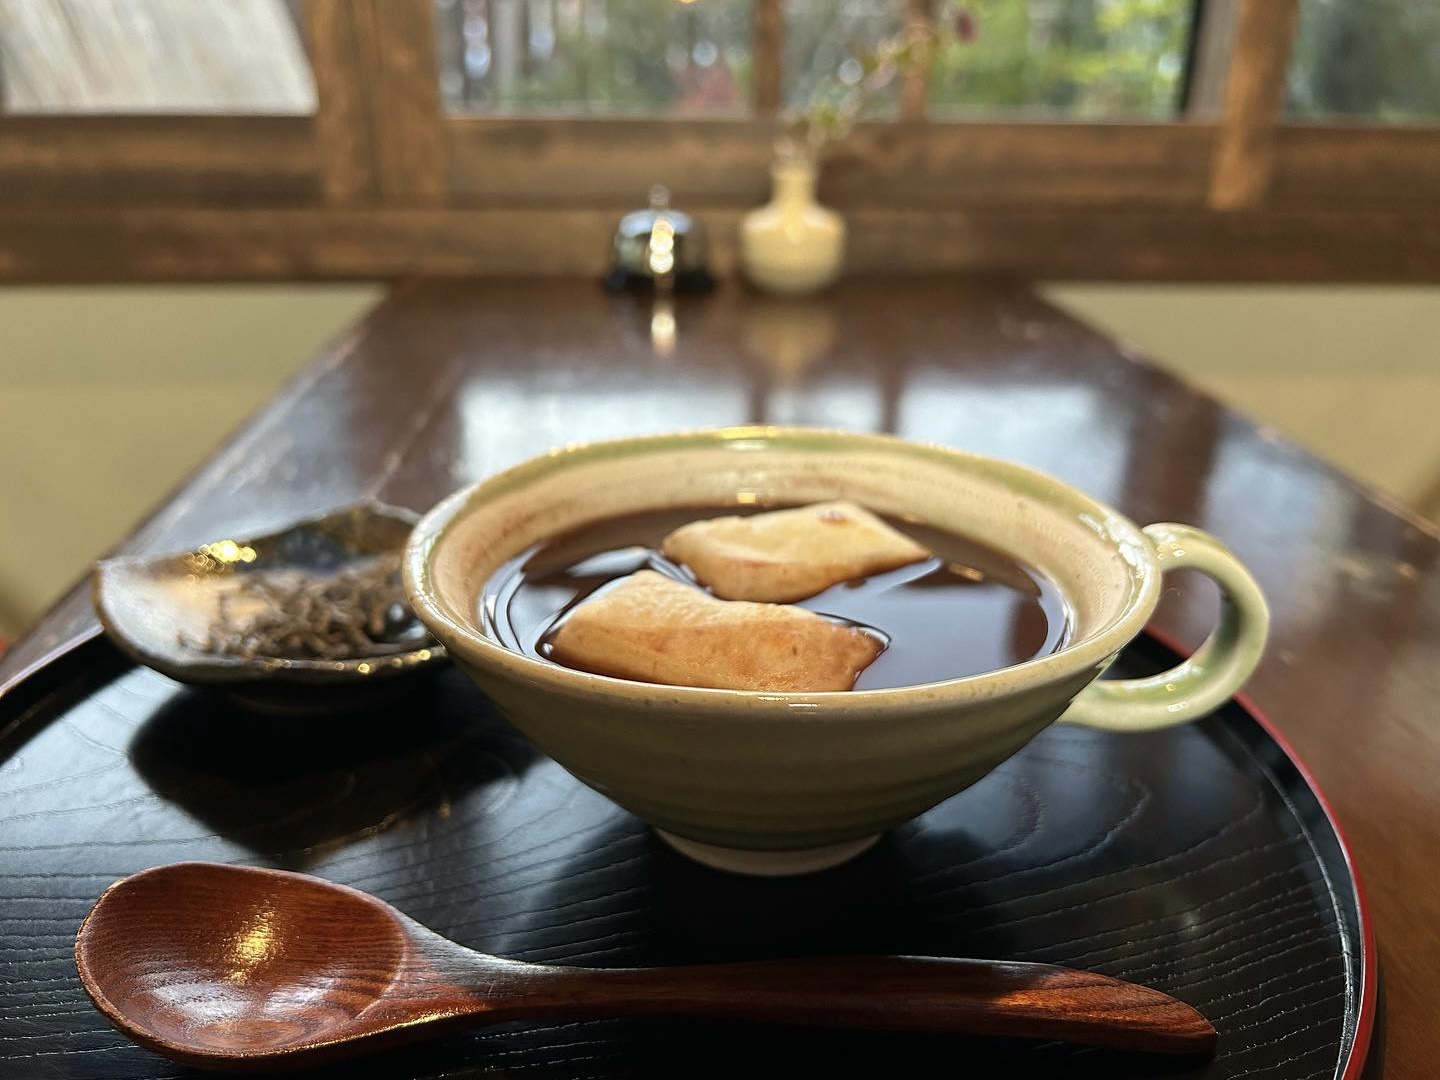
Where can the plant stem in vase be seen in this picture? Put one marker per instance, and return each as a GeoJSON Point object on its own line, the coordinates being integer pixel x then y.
{"type": "Point", "coordinates": [793, 245]}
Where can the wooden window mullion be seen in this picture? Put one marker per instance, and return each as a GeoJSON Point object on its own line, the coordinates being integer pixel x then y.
{"type": "Point", "coordinates": [1244, 155]}
{"type": "Point", "coordinates": [767, 48]}
{"type": "Point", "coordinates": [915, 86]}
{"type": "Point", "coordinates": [380, 124]}
{"type": "Point", "coordinates": [342, 120]}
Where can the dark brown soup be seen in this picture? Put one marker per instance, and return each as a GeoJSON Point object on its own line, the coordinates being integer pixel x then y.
{"type": "Point", "coordinates": [967, 610]}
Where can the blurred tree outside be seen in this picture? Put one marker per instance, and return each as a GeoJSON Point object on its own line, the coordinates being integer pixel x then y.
{"type": "Point", "coordinates": [827, 40]}
{"type": "Point", "coordinates": [1376, 59]}
{"type": "Point", "coordinates": [1074, 59]}
{"type": "Point", "coordinates": [603, 56]}
{"type": "Point", "coordinates": [1080, 59]}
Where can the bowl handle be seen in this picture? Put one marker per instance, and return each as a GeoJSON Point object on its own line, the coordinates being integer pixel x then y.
{"type": "Point", "coordinates": [1202, 683]}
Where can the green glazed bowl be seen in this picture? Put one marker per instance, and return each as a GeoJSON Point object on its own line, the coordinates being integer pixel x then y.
{"type": "Point", "coordinates": [788, 783]}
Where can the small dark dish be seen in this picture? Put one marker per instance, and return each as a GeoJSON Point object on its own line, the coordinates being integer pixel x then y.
{"type": "Point", "coordinates": [168, 611]}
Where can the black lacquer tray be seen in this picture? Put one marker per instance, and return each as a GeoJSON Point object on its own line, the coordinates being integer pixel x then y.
{"type": "Point", "coordinates": [1199, 860]}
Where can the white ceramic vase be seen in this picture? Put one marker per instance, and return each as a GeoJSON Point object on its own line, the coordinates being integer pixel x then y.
{"type": "Point", "coordinates": [792, 245]}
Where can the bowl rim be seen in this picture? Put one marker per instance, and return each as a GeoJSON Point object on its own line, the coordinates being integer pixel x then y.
{"type": "Point", "coordinates": [466, 641]}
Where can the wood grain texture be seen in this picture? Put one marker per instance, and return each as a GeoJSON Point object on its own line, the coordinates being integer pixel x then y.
{"type": "Point", "coordinates": [1254, 93]}
{"type": "Point", "coordinates": [395, 43]}
{"type": "Point", "coordinates": [342, 112]}
{"type": "Point", "coordinates": [544, 161]}
{"type": "Point", "coordinates": [165, 160]}
{"type": "Point", "coordinates": [240, 967]}
{"type": "Point", "coordinates": [1337, 167]}
{"type": "Point", "coordinates": [604, 162]}
{"type": "Point", "coordinates": [145, 244]}
{"type": "Point", "coordinates": [447, 382]}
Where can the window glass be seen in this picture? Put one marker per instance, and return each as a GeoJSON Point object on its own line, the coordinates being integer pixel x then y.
{"type": "Point", "coordinates": [594, 56]}
{"type": "Point", "coordinates": [1378, 60]}
{"type": "Point", "coordinates": [153, 56]}
{"type": "Point", "coordinates": [1079, 59]}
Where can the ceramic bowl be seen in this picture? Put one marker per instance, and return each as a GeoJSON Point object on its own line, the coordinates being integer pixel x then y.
{"type": "Point", "coordinates": [785, 783]}
{"type": "Point", "coordinates": [161, 609]}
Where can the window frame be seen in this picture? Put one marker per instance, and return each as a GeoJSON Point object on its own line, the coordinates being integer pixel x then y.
{"type": "Point", "coordinates": [380, 182]}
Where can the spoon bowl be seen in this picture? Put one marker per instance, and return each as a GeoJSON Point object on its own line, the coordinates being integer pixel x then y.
{"type": "Point", "coordinates": [234, 967]}
{"type": "Point", "coordinates": [266, 969]}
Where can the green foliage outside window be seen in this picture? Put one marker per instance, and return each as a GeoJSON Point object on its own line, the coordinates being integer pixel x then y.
{"type": "Point", "coordinates": [1073, 58]}
{"type": "Point", "coordinates": [1077, 58]}
{"type": "Point", "coordinates": [1374, 59]}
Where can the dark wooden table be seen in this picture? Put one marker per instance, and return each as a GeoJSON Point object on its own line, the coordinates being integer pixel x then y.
{"type": "Point", "coordinates": [444, 383]}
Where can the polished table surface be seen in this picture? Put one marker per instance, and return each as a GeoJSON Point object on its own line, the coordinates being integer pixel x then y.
{"type": "Point", "coordinates": [445, 383]}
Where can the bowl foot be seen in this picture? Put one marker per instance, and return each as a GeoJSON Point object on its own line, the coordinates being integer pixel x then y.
{"type": "Point", "coordinates": [768, 863]}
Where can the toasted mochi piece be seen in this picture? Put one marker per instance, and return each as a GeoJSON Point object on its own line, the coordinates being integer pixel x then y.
{"type": "Point", "coordinates": [655, 629]}
{"type": "Point", "coordinates": [788, 555]}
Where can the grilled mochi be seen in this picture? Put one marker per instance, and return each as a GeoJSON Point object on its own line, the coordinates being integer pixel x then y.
{"type": "Point", "coordinates": [654, 629]}
{"type": "Point", "coordinates": [787, 555]}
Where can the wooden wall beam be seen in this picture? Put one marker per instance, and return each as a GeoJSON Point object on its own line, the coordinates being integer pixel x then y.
{"type": "Point", "coordinates": [556, 162]}
{"type": "Point", "coordinates": [157, 159]}
{"type": "Point", "coordinates": [1320, 166]}
{"type": "Point", "coordinates": [146, 244]}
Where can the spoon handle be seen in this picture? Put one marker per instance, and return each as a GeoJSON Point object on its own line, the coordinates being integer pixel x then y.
{"type": "Point", "coordinates": [898, 993]}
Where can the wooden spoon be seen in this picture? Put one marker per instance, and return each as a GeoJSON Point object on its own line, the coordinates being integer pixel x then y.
{"type": "Point", "coordinates": [232, 967]}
